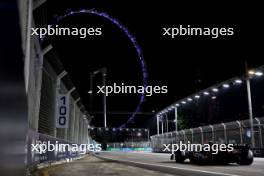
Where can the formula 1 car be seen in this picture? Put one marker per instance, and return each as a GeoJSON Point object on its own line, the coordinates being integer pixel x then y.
{"type": "Point", "coordinates": [241, 154]}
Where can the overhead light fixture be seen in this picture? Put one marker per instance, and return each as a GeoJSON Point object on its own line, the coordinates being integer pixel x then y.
{"type": "Point", "coordinates": [138, 134]}
{"type": "Point", "coordinates": [251, 72]}
{"type": "Point", "coordinates": [238, 81]}
{"type": "Point", "coordinates": [177, 105]}
{"type": "Point", "coordinates": [189, 99]}
{"type": "Point", "coordinates": [213, 97]}
{"type": "Point", "coordinates": [197, 96]}
{"type": "Point", "coordinates": [206, 93]}
{"type": "Point", "coordinates": [226, 85]}
{"type": "Point", "coordinates": [258, 73]}
{"type": "Point", "coordinates": [215, 90]}
{"type": "Point", "coordinates": [183, 102]}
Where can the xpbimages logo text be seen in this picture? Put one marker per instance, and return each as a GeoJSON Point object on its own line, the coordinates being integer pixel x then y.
{"type": "Point", "coordinates": [189, 147]}
{"type": "Point", "coordinates": [131, 89]}
{"type": "Point", "coordinates": [41, 147]}
{"type": "Point", "coordinates": [188, 30]}
{"type": "Point", "coordinates": [66, 31]}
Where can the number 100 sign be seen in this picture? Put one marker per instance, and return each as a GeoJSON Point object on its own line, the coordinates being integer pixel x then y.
{"type": "Point", "coordinates": [62, 111]}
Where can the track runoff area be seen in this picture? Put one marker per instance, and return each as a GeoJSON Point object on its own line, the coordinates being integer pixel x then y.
{"type": "Point", "coordinates": [161, 162]}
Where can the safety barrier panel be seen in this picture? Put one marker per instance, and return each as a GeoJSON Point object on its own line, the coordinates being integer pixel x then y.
{"type": "Point", "coordinates": [236, 132]}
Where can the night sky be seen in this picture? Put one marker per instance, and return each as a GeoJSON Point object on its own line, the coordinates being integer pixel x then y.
{"type": "Point", "coordinates": [184, 64]}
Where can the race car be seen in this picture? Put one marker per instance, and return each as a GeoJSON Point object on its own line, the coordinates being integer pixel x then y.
{"type": "Point", "coordinates": [241, 154]}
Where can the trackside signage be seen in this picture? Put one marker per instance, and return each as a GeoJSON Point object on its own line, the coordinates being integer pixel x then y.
{"type": "Point", "coordinates": [62, 111]}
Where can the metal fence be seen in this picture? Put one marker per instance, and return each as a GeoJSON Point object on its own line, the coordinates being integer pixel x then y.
{"type": "Point", "coordinates": [143, 144]}
{"type": "Point", "coordinates": [34, 158]}
{"type": "Point", "coordinates": [44, 86]}
{"type": "Point", "coordinates": [236, 132]}
{"type": "Point", "coordinates": [129, 146]}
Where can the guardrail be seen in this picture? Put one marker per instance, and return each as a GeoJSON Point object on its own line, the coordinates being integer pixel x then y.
{"type": "Point", "coordinates": [35, 158]}
{"type": "Point", "coordinates": [237, 132]}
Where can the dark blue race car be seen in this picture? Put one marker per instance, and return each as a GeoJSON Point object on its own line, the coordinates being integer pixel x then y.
{"type": "Point", "coordinates": [241, 154]}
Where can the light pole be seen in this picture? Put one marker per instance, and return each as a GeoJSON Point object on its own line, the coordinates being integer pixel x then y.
{"type": "Point", "coordinates": [176, 118]}
{"type": "Point", "coordinates": [167, 123]}
{"type": "Point", "coordinates": [132, 142]}
{"type": "Point", "coordinates": [104, 96]}
{"type": "Point", "coordinates": [103, 71]}
{"type": "Point", "coordinates": [157, 116]}
{"type": "Point", "coordinates": [250, 74]}
{"type": "Point", "coordinates": [161, 125]}
{"type": "Point", "coordinates": [91, 93]}
{"type": "Point", "coordinates": [250, 111]}
{"type": "Point", "coordinates": [148, 136]}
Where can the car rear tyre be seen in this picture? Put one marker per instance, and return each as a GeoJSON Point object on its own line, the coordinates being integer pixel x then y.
{"type": "Point", "coordinates": [246, 159]}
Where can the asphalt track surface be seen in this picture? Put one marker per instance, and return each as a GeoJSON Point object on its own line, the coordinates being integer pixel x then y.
{"type": "Point", "coordinates": [162, 163]}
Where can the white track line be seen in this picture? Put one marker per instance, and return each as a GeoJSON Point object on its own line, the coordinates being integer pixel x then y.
{"type": "Point", "coordinates": [194, 170]}
{"type": "Point", "coordinates": [144, 153]}
{"type": "Point", "coordinates": [161, 154]}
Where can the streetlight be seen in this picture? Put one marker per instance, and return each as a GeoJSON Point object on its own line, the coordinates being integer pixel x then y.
{"type": "Point", "coordinates": [213, 97]}
{"type": "Point", "coordinates": [161, 125]}
{"type": "Point", "coordinates": [157, 117]}
{"type": "Point", "coordinates": [206, 93]}
{"type": "Point", "coordinates": [103, 71]}
{"type": "Point", "coordinates": [226, 86]}
{"type": "Point", "coordinates": [216, 88]}
{"type": "Point", "coordinates": [167, 123]}
{"type": "Point", "coordinates": [138, 134]}
{"type": "Point", "coordinates": [250, 110]}
{"type": "Point", "coordinates": [189, 99]}
{"type": "Point", "coordinates": [238, 81]}
{"type": "Point", "coordinates": [197, 96]}
{"type": "Point", "coordinates": [250, 74]}
{"type": "Point", "coordinates": [258, 73]}
{"type": "Point", "coordinates": [176, 118]}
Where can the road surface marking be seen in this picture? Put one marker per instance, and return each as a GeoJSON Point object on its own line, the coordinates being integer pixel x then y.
{"type": "Point", "coordinates": [194, 170]}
